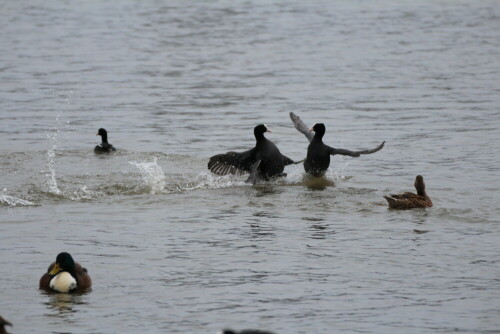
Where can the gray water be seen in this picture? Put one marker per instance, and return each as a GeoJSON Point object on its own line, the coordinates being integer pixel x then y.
{"type": "Point", "coordinates": [172, 248]}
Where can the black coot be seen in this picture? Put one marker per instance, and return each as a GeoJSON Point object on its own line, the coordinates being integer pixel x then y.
{"type": "Point", "coordinates": [263, 162]}
{"type": "Point", "coordinates": [318, 153]}
{"type": "Point", "coordinates": [104, 147]}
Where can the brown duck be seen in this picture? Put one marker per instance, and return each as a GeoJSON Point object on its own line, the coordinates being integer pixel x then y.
{"type": "Point", "coordinates": [410, 200]}
{"type": "Point", "coordinates": [4, 323]}
{"type": "Point", "coordinates": [65, 275]}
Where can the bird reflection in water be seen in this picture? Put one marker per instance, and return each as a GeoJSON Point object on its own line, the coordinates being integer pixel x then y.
{"type": "Point", "coordinates": [263, 190]}
{"type": "Point", "coordinates": [64, 303]}
{"type": "Point", "coordinates": [320, 231]}
{"type": "Point", "coordinates": [317, 182]}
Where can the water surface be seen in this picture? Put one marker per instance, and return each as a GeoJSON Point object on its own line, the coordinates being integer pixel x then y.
{"type": "Point", "coordinates": [172, 248]}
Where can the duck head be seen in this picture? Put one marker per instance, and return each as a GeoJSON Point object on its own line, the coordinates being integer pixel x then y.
{"type": "Point", "coordinates": [64, 262]}
{"type": "Point", "coordinates": [420, 185]}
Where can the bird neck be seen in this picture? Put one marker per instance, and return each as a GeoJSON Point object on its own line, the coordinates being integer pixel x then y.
{"type": "Point", "coordinates": [421, 190]}
{"type": "Point", "coordinates": [259, 136]}
{"type": "Point", "coordinates": [104, 138]}
{"type": "Point", "coordinates": [318, 137]}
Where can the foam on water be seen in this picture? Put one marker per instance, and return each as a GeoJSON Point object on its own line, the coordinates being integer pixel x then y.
{"type": "Point", "coordinates": [206, 180]}
{"type": "Point", "coordinates": [11, 201]}
{"type": "Point", "coordinates": [84, 194]}
{"type": "Point", "coordinates": [297, 175]}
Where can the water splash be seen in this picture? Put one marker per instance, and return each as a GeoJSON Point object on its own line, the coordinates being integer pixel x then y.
{"type": "Point", "coordinates": [84, 194]}
{"type": "Point", "coordinates": [52, 180]}
{"type": "Point", "coordinates": [51, 175]}
{"type": "Point", "coordinates": [152, 174]}
{"type": "Point", "coordinates": [206, 180]}
{"type": "Point", "coordinates": [337, 172]}
{"type": "Point", "coordinates": [11, 201]}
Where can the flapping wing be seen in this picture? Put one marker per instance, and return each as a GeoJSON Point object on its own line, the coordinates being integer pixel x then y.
{"type": "Point", "coordinates": [232, 163]}
{"type": "Point", "coordinates": [373, 150]}
{"type": "Point", "coordinates": [301, 126]}
{"type": "Point", "coordinates": [342, 151]}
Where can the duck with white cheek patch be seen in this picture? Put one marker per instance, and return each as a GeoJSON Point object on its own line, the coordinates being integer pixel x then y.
{"type": "Point", "coordinates": [65, 275]}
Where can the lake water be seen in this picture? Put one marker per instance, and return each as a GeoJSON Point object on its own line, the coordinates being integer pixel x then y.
{"type": "Point", "coordinates": [172, 248]}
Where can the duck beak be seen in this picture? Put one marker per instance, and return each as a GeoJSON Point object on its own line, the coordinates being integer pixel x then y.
{"type": "Point", "coordinates": [97, 134]}
{"type": "Point", "coordinates": [311, 130]}
{"type": "Point", "coordinates": [55, 270]}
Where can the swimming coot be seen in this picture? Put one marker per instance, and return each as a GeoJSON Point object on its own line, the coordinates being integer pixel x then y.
{"type": "Point", "coordinates": [104, 147]}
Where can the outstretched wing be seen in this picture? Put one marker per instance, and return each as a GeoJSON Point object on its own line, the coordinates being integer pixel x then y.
{"type": "Point", "coordinates": [342, 151]}
{"type": "Point", "coordinates": [373, 150]}
{"type": "Point", "coordinates": [232, 163]}
{"type": "Point", "coordinates": [301, 126]}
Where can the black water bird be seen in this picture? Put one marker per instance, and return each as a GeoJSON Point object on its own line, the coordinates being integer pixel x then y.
{"type": "Point", "coordinates": [104, 147]}
{"type": "Point", "coordinates": [263, 162]}
{"type": "Point", "coordinates": [245, 331]}
{"type": "Point", "coordinates": [4, 323]}
{"type": "Point", "coordinates": [318, 153]}
{"type": "Point", "coordinates": [65, 275]}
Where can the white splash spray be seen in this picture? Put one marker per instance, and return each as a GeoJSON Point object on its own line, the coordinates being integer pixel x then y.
{"type": "Point", "coordinates": [152, 174]}
{"type": "Point", "coordinates": [51, 163]}
{"type": "Point", "coordinates": [337, 172]}
{"type": "Point", "coordinates": [6, 200]}
{"type": "Point", "coordinates": [206, 180]}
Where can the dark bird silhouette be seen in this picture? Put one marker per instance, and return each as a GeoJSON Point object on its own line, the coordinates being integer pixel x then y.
{"type": "Point", "coordinates": [65, 275]}
{"type": "Point", "coordinates": [410, 200]}
{"type": "Point", "coordinates": [245, 331]}
{"type": "Point", "coordinates": [318, 153]}
{"type": "Point", "coordinates": [263, 162]}
{"type": "Point", "coordinates": [4, 323]}
{"type": "Point", "coordinates": [103, 147]}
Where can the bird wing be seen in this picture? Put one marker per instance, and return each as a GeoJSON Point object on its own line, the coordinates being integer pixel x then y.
{"type": "Point", "coordinates": [342, 151]}
{"type": "Point", "coordinates": [255, 176]}
{"type": "Point", "coordinates": [301, 126]}
{"type": "Point", "coordinates": [232, 162]}
{"type": "Point", "coordinates": [406, 195]}
{"type": "Point", "coordinates": [373, 150]}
